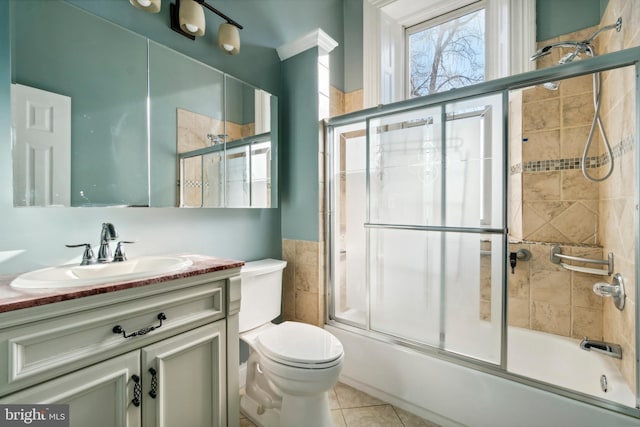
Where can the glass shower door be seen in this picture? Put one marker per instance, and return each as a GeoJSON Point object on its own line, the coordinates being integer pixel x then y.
{"type": "Point", "coordinates": [418, 227]}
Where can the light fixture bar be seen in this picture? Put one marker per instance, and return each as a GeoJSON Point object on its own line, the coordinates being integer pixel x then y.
{"type": "Point", "coordinates": [220, 14]}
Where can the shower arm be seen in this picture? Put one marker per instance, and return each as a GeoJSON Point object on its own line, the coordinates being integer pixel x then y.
{"type": "Point", "coordinates": [582, 46]}
{"type": "Point", "coordinates": [617, 26]}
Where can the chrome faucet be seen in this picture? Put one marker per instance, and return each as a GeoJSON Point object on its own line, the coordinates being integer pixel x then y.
{"type": "Point", "coordinates": [107, 234]}
{"type": "Point", "coordinates": [608, 349]}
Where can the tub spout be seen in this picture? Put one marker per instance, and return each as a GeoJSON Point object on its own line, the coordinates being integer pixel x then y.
{"type": "Point", "coordinates": [608, 349]}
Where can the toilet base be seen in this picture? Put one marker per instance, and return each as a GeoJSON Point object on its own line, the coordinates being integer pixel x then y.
{"type": "Point", "coordinates": [308, 411]}
{"type": "Point", "coordinates": [262, 417]}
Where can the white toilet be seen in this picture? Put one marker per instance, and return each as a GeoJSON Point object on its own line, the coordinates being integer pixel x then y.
{"type": "Point", "coordinates": [292, 365]}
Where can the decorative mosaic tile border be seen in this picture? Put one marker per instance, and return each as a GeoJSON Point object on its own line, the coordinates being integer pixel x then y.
{"type": "Point", "coordinates": [625, 146]}
{"type": "Point", "coordinates": [192, 183]}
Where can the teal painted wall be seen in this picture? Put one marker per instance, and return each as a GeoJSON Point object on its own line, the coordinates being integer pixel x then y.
{"type": "Point", "coordinates": [557, 17]}
{"type": "Point", "coordinates": [299, 172]}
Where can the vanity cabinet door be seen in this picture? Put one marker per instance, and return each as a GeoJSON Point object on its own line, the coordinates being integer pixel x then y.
{"type": "Point", "coordinates": [98, 396]}
{"type": "Point", "coordinates": [184, 379]}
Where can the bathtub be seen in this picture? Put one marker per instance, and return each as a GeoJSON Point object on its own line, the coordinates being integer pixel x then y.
{"type": "Point", "coordinates": [453, 395]}
{"type": "Point", "coordinates": [561, 361]}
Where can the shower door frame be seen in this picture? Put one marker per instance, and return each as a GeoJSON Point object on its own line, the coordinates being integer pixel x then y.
{"type": "Point", "coordinates": [610, 61]}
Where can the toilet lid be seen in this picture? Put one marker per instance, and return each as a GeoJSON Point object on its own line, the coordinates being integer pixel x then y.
{"type": "Point", "coordinates": [300, 344]}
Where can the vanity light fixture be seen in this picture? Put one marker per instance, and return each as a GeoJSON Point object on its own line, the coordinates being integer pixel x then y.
{"type": "Point", "coordinates": [191, 18]}
{"type": "Point", "coordinates": [187, 18]}
{"type": "Point", "coordinates": [229, 38]}
{"type": "Point", "coordinates": [151, 6]}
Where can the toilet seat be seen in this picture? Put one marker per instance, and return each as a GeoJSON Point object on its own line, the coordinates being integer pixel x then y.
{"type": "Point", "coordinates": [300, 345]}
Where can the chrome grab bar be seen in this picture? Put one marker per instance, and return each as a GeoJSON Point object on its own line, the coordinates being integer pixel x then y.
{"type": "Point", "coordinates": [557, 257]}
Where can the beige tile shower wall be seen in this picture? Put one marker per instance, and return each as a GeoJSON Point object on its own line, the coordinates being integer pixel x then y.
{"type": "Point", "coordinates": [545, 297]}
{"type": "Point", "coordinates": [617, 206]}
{"type": "Point", "coordinates": [303, 282]}
{"type": "Point", "coordinates": [557, 204]}
{"type": "Point", "coordinates": [342, 103]}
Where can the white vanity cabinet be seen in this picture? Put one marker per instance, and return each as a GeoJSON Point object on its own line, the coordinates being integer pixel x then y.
{"type": "Point", "coordinates": [99, 395]}
{"type": "Point", "coordinates": [163, 354]}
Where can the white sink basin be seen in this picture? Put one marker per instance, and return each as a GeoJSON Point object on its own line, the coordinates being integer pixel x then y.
{"type": "Point", "coordinates": [72, 275]}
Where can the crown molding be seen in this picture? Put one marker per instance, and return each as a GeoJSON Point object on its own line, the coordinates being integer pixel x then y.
{"type": "Point", "coordinates": [316, 38]}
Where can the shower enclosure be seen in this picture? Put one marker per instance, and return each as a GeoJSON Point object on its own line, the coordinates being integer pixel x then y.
{"type": "Point", "coordinates": [425, 250]}
{"type": "Point", "coordinates": [430, 208]}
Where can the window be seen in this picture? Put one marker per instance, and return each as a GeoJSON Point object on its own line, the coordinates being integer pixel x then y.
{"type": "Point", "coordinates": [509, 30]}
{"type": "Point", "coordinates": [446, 52]}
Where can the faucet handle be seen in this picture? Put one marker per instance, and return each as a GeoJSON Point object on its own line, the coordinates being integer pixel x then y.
{"type": "Point", "coordinates": [119, 254]}
{"type": "Point", "coordinates": [87, 256]}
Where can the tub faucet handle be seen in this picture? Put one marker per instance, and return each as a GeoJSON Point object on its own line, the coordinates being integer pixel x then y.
{"type": "Point", "coordinates": [614, 290]}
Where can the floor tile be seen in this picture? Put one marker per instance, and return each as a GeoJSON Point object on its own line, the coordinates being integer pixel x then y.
{"type": "Point", "coordinates": [338, 418]}
{"type": "Point", "coordinates": [246, 422]}
{"type": "Point", "coordinates": [349, 397]}
{"type": "Point", "coordinates": [351, 407]}
{"type": "Point", "coordinates": [372, 416]}
{"type": "Point", "coordinates": [333, 399]}
{"type": "Point", "coordinates": [410, 420]}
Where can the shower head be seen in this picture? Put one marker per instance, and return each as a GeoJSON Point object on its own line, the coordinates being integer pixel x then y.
{"type": "Point", "coordinates": [580, 47]}
{"type": "Point", "coordinates": [541, 52]}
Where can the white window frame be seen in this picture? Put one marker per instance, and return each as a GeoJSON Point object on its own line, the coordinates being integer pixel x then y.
{"type": "Point", "coordinates": [510, 37]}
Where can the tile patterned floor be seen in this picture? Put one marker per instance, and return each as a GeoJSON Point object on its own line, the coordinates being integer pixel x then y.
{"type": "Point", "coordinates": [353, 408]}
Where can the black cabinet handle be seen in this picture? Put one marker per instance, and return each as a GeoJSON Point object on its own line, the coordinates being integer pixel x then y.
{"type": "Point", "coordinates": [118, 329]}
{"type": "Point", "coordinates": [137, 390]}
{"type": "Point", "coordinates": [154, 383]}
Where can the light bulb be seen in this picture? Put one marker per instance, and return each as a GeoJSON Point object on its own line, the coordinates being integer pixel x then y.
{"type": "Point", "coordinates": [151, 6]}
{"type": "Point", "coordinates": [227, 47]}
{"type": "Point", "coordinates": [192, 28]}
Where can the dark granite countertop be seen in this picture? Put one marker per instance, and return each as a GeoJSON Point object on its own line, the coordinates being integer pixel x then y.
{"type": "Point", "coordinates": [15, 299]}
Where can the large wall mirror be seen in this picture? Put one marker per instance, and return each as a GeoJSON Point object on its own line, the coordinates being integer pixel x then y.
{"type": "Point", "coordinates": [109, 119]}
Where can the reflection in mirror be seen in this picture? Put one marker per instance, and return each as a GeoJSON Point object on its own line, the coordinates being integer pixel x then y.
{"type": "Point", "coordinates": [230, 166]}
{"type": "Point", "coordinates": [95, 87]}
{"type": "Point", "coordinates": [187, 114]}
{"type": "Point", "coordinates": [110, 147]}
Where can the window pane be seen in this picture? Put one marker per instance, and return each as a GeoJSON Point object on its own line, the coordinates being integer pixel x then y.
{"type": "Point", "coordinates": [447, 55]}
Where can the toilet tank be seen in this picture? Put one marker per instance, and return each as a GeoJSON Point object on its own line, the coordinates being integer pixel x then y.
{"type": "Point", "coordinates": [261, 292]}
